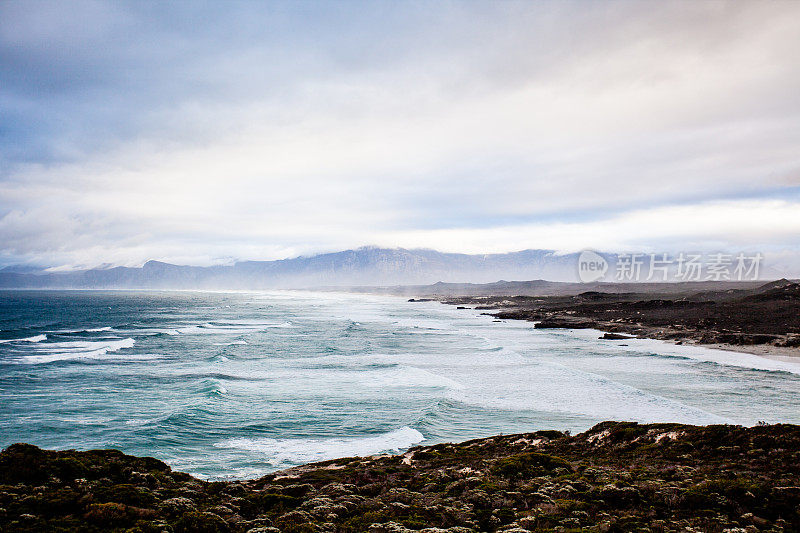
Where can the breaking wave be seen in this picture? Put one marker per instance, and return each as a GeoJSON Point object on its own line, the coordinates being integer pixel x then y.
{"type": "Point", "coordinates": [297, 451]}
{"type": "Point", "coordinates": [35, 338]}
{"type": "Point", "coordinates": [63, 351]}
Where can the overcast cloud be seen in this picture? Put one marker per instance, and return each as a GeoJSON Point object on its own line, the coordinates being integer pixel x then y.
{"type": "Point", "coordinates": [208, 132]}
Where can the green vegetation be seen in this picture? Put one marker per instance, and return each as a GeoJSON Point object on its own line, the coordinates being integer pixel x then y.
{"type": "Point", "coordinates": [614, 477]}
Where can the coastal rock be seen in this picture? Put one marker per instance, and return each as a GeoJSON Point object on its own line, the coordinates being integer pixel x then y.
{"type": "Point", "coordinates": [761, 316]}
{"type": "Point", "coordinates": [617, 476]}
{"type": "Point", "coordinates": [177, 506]}
{"type": "Point", "coordinates": [563, 323]}
{"type": "Point", "coordinates": [614, 336]}
{"type": "Point", "coordinates": [196, 522]}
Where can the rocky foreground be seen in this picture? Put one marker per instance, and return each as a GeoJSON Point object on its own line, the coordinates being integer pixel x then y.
{"type": "Point", "coordinates": [614, 477]}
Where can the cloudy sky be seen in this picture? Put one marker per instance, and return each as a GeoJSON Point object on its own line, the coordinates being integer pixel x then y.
{"type": "Point", "coordinates": [202, 133]}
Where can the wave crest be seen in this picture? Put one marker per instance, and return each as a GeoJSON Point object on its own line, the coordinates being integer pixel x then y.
{"type": "Point", "coordinates": [281, 452]}
{"type": "Point", "coordinates": [64, 351]}
{"type": "Point", "coordinates": [35, 338]}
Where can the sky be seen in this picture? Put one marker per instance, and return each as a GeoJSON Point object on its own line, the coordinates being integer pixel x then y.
{"type": "Point", "coordinates": [208, 132]}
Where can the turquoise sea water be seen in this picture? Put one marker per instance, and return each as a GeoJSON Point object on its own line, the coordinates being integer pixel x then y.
{"type": "Point", "coordinates": [242, 383]}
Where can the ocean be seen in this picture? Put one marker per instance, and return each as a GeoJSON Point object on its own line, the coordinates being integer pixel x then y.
{"type": "Point", "coordinates": [238, 384]}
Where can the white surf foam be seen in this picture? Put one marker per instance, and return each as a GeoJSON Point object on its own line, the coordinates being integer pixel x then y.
{"type": "Point", "coordinates": [338, 375]}
{"type": "Point", "coordinates": [721, 357]}
{"type": "Point", "coordinates": [549, 387]}
{"type": "Point", "coordinates": [253, 323]}
{"type": "Point", "coordinates": [229, 328]}
{"type": "Point", "coordinates": [35, 338]}
{"type": "Point", "coordinates": [697, 353]}
{"type": "Point", "coordinates": [84, 330]}
{"type": "Point", "coordinates": [213, 387]}
{"type": "Point", "coordinates": [409, 377]}
{"type": "Point", "coordinates": [62, 351]}
{"type": "Point", "coordinates": [298, 451]}
{"type": "Point", "coordinates": [85, 420]}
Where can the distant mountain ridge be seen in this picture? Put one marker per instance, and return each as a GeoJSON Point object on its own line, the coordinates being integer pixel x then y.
{"type": "Point", "coordinates": [363, 267]}
{"type": "Point", "coordinates": [368, 266]}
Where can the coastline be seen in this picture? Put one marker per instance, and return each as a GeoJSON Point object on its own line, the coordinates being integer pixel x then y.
{"type": "Point", "coordinates": [762, 321]}
{"type": "Point", "coordinates": [789, 354]}
{"type": "Point", "coordinates": [614, 477]}
{"type": "Point", "coordinates": [617, 476]}
{"type": "Point", "coordinates": [776, 353]}
{"type": "Point", "coordinates": [618, 331]}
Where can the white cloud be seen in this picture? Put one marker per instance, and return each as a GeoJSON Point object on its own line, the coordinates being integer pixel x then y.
{"type": "Point", "coordinates": [738, 225]}
{"type": "Point", "coordinates": [546, 125]}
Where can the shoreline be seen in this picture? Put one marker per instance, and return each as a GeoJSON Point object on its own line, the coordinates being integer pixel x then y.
{"type": "Point", "coordinates": [776, 353]}
{"type": "Point", "coordinates": [789, 354]}
{"type": "Point", "coordinates": [616, 476]}
{"type": "Point", "coordinates": [779, 353]}
{"type": "Point", "coordinates": [639, 331]}
{"type": "Point", "coordinates": [762, 321]}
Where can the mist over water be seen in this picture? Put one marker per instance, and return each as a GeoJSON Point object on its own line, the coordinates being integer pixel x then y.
{"type": "Point", "coordinates": [243, 383]}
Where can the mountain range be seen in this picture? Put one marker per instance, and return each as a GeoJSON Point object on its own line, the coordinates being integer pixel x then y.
{"type": "Point", "coordinates": [367, 266]}
{"type": "Point", "coordinates": [362, 267]}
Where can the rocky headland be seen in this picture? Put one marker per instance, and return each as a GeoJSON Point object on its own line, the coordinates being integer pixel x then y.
{"type": "Point", "coordinates": [764, 319]}
{"type": "Point", "coordinates": [615, 477]}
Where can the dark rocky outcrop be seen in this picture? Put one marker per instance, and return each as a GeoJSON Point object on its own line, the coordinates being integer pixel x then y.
{"type": "Point", "coordinates": [766, 315]}
{"type": "Point", "coordinates": [614, 337]}
{"type": "Point", "coordinates": [615, 477]}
